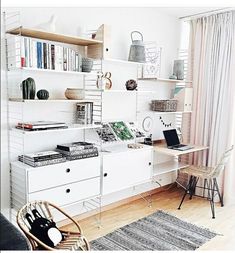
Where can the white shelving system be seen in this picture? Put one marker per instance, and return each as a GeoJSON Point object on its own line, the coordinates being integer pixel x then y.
{"type": "Point", "coordinates": [81, 181]}
{"type": "Point", "coordinates": [66, 183]}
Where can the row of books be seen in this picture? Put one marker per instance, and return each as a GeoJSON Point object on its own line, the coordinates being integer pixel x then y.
{"type": "Point", "coordinates": [68, 151]}
{"type": "Point", "coordinates": [42, 55]}
{"type": "Point", "coordinates": [78, 150]}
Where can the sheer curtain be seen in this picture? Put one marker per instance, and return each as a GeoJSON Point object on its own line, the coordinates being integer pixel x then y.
{"type": "Point", "coordinates": [212, 53]}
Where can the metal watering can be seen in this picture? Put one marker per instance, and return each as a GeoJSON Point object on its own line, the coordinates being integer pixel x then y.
{"type": "Point", "coordinates": [137, 49]}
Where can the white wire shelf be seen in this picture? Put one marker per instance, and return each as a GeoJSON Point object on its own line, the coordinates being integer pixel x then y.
{"type": "Point", "coordinates": [162, 168]}
{"type": "Point", "coordinates": [70, 128]}
{"type": "Point", "coordinates": [53, 71]}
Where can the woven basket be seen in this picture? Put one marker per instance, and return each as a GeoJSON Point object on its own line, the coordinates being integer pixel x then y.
{"type": "Point", "coordinates": [164, 105]}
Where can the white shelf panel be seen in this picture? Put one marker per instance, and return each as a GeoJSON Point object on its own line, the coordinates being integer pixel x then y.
{"type": "Point", "coordinates": [164, 80]}
{"type": "Point", "coordinates": [19, 100]}
{"type": "Point", "coordinates": [54, 71]}
{"type": "Point", "coordinates": [166, 167]}
{"type": "Point", "coordinates": [68, 163]}
{"type": "Point", "coordinates": [127, 62]}
{"type": "Point", "coordinates": [70, 128]}
{"type": "Point", "coordinates": [172, 112]}
{"type": "Point", "coordinates": [122, 148]}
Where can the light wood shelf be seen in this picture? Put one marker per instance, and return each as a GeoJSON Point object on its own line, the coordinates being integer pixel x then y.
{"type": "Point", "coordinates": [40, 34]}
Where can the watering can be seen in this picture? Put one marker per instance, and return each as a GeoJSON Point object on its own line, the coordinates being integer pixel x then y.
{"type": "Point", "coordinates": [137, 49]}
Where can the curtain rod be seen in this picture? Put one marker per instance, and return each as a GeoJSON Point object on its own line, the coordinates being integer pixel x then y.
{"type": "Point", "coordinates": [197, 15]}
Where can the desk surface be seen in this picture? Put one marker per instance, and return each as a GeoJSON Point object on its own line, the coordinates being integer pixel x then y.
{"type": "Point", "coordinates": [164, 150]}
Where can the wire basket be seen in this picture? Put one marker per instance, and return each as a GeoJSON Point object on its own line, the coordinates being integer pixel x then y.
{"type": "Point", "coordinates": [164, 105]}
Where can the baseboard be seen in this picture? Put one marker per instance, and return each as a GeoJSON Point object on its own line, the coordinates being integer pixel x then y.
{"type": "Point", "coordinates": [114, 205]}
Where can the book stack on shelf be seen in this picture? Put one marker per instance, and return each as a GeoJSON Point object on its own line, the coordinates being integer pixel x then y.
{"type": "Point", "coordinates": [42, 55]}
{"type": "Point", "coordinates": [78, 150]}
{"type": "Point", "coordinates": [42, 158]}
{"type": "Point", "coordinates": [40, 125]}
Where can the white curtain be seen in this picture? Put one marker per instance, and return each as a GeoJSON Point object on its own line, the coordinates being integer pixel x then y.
{"type": "Point", "coordinates": [212, 53]}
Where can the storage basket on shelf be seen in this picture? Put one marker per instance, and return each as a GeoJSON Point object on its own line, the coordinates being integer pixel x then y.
{"type": "Point", "coordinates": [164, 105]}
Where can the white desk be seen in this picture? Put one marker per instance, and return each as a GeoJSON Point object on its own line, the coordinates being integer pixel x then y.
{"type": "Point", "coordinates": [173, 164]}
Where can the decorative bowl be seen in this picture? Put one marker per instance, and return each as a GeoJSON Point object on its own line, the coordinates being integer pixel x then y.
{"type": "Point", "coordinates": [74, 93]}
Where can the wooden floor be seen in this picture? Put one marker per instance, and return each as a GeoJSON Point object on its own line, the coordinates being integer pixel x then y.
{"type": "Point", "coordinates": [196, 211]}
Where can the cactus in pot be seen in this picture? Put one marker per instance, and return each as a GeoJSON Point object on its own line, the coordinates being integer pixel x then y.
{"type": "Point", "coordinates": [28, 88]}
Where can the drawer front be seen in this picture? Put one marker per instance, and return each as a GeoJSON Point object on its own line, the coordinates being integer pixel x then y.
{"type": "Point", "coordinates": [63, 173]}
{"type": "Point", "coordinates": [69, 193]}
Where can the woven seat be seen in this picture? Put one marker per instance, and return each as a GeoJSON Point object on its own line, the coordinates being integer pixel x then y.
{"type": "Point", "coordinates": [71, 240]}
{"type": "Point", "coordinates": [209, 175]}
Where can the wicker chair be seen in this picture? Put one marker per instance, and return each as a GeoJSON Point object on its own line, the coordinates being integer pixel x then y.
{"type": "Point", "coordinates": [71, 241]}
{"type": "Point", "coordinates": [209, 176]}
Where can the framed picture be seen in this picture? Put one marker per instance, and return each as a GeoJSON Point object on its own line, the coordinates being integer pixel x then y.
{"type": "Point", "coordinates": [153, 57]}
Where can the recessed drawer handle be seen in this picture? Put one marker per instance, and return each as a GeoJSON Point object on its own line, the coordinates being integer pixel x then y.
{"type": "Point", "coordinates": [150, 163]}
{"type": "Point", "coordinates": [67, 190]}
{"type": "Point", "coordinates": [105, 174]}
{"type": "Point", "coordinates": [68, 170]}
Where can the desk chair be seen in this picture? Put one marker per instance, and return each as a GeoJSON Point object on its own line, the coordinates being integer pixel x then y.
{"type": "Point", "coordinates": [72, 240]}
{"type": "Point", "coordinates": [209, 175]}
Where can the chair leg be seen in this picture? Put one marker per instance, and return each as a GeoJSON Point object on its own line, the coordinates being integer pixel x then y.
{"type": "Point", "coordinates": [193, 187]}
{"type": "Point", "coordinates": [186, 191]}
{"type": "Point", "coordinates": [219, 194]}
{"type": "Point", "coordinates": [212, 188]}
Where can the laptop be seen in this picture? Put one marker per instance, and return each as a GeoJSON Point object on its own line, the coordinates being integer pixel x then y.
{"type": "Point", "coordinates": [172, 140]}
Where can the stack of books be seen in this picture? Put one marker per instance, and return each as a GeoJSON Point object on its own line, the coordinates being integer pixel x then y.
{"type": "Point", "coordinates": [77, 150]}
{"type": "Point", "coordinates": [43, 55]}
{"type": "Point", "coordinates": [40, 125]}
{"type": "Point", "coordinates": [42, 158]}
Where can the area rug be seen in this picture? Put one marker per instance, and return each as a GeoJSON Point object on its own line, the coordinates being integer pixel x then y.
{"type": "Point", "coordinates": [158, 231]}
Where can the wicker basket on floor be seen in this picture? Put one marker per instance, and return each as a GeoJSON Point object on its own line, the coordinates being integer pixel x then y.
{"type": "Point", "coordinates": [164, 105]}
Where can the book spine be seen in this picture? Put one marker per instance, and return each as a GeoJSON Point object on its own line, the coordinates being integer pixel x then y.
{"type": "Point", "coordinates": [48, 56]}
{"type": "Point", "coordinates": [65, 59]}
{"type": "Point", "coordinates": [93, 154]}
{"type": "Point", "coordinates": [52, 56]}
{"type": "Point", "coordinates": [38, 54]}
{"type": "Point", "coordinates": [78, 152]}
{"type": "Point", "coordinates": [22, 52]}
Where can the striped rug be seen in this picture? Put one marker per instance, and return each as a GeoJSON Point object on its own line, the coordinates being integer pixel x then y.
{"type": "Point", "coordinates": [159, 231]}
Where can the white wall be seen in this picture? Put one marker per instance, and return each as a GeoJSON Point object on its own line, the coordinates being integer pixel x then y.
{"type": "Point", "coordinates": [154, 25]}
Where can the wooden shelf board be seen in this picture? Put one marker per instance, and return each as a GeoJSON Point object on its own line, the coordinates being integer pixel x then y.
{"type": "Point", "coordinates": [55, 71]}
{"type": "Point", "coordinates": [166, 167]}
{"type": "Point", "coordinates": [44, 35]}
{"type": "Point", "coordinates": [171, 152]}
{"type": "Point", "coordinates": [70, 128]}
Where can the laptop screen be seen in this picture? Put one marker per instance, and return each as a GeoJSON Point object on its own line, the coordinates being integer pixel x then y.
{"type": "Point", "coordinates": [171, 137]}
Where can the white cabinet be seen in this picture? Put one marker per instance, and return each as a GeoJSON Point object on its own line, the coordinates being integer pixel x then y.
{"type": "Point", "coordinates": [125, 169]}
{"type": "Point", "coordinates": [62, 184]}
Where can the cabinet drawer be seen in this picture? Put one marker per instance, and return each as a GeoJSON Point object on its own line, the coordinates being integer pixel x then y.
{"type": "Point", "coordinates": [69, 193]}
{"type": "Point", "coordinates": [63, 173]}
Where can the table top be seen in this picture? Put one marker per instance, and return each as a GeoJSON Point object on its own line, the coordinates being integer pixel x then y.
{"type": "Point", "coordinates": [162, 148]}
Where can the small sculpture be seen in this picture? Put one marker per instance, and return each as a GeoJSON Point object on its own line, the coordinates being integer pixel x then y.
{"type": "Point", "coordinates": [131, 85]}
{"type": "Point", "coordinates": [178, 69]}
{"type": "Point", "coordinates": [43, 94]}
{"type": "Point", "coordinates": [28, 88]}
